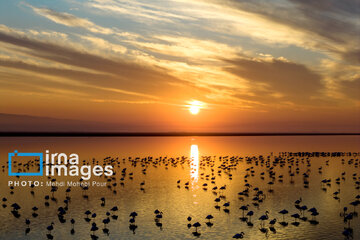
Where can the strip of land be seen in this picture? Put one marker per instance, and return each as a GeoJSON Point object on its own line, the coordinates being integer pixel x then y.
{"type": "Point", "coordinates": [163, 134]}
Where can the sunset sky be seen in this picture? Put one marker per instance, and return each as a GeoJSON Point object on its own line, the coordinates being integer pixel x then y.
{"type": "Point", "coordinates": [248, 66]}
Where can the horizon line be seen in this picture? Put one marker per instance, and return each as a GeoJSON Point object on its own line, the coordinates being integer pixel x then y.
{"type": "Point", "coordinates": [168, 134]}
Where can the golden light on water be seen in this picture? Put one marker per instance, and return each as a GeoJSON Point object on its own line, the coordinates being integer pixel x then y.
{"type": "Point", "coordinates": [194, 163]}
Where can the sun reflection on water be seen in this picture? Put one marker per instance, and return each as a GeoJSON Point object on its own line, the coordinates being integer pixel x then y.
{"type": "Point", "coordinates": [194, 163]}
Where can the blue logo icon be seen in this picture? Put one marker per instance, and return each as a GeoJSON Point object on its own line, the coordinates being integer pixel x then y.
{"type": "Point", "coordinates": [15, 153]}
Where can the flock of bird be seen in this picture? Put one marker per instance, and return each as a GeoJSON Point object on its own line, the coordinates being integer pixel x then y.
{"type": "Point", "coordinates": [250, 197]}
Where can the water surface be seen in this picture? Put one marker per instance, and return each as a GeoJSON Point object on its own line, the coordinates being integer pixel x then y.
{"type": "Point", "coordinates": [190, 159]}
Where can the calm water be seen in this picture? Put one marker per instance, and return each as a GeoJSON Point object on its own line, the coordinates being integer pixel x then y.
{"type": "Point", "coordinates": [224, 160]}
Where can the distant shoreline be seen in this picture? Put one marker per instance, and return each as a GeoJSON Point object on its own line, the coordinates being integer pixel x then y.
{"type": "Point", "coordinates": [161, 134]}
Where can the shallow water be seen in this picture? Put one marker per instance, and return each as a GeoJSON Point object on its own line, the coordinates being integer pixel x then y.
{"type": "Point", "coordinates": [200, 155]}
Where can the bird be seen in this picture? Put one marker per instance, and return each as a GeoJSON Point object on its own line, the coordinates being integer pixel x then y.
{"type": "Point", "coordinates": [93, 227]}
{"type": "Point", "coordinates": [102, 201]}
{"type": "Point", "coordinates": [209, 217]}
{"type": "Point", "coordinates": [263, 218]}
{"type": "Point", "coordinates": [295, 216]}
{"type": "Point", "coordinates": [239, 235]}
{"type": "Point", "coordinates": [87, 213]}
{"type": "Point", "coordinates": [106, 221]}
{"type": "Point", "coordinates": [249, 223]}
{"type": "Point", "coordinates": [196, 225]}
{"type": "Point", "coordinates": [72, 221]}
{"type": "Point", "coordinates": [133, 214]}
{"type": "Point", "coordinates": [217, 200]}
{"type": "Point", "coordinates": [347, 233]}
{"type": "Point", "coordinates": [244, 208]}
{"type": "Point", "coordinates": [272, 222]}
{"type": "Point", "coordinates": [50, 227]}
{"type": "Point", "coordinates": [189, 220]}
{"type": "Point", "coordinates": [115, 208]}
{"type": "Point", "coordinates": [227, 204]}
{"type": "Point", "coordinates": [283, 212]}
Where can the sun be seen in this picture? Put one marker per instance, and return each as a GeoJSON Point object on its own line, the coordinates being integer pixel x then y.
{"type": "Point", "coordinates": [194, 110]}
{"type": "Point", "coordinates": [195, 106]}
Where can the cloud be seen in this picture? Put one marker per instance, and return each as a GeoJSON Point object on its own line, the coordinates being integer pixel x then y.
{"type": "Point", "coordinates": [352, 56]}
{"type": "Point", "coordinates": [105, 79]}
{"type": "Point", "coordinates": [116, 75]}
{"type": "Point", "coordinates": [196, 50]}
{"type": "Point", "coordinates": [105, 45]}
{"type": "Point", "coordinates": [70, 20]}
{"type": "Point", "coordinates": [326, 25]}
{"type": "Point", "coordinates": [53, 78]}
{"type": "Point", "coordinates": [140, 12]}
{"type": "Point", "coordinates": [277, 79]}
{"type": "Point", "coordinates": [351, 88]}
